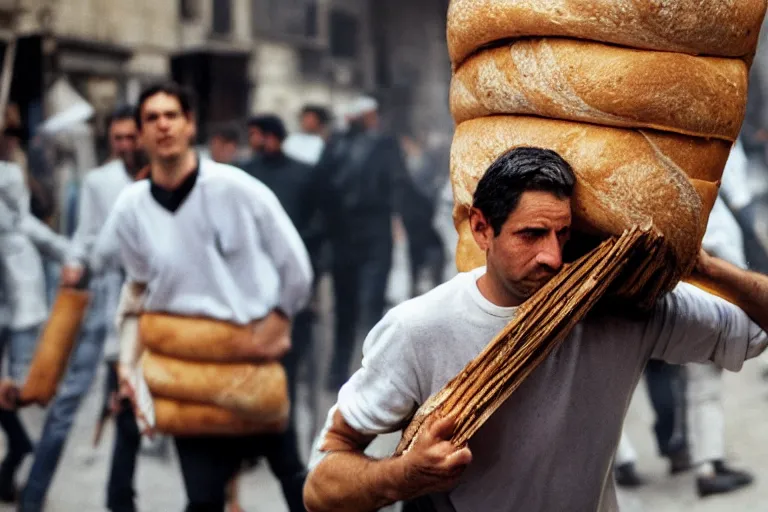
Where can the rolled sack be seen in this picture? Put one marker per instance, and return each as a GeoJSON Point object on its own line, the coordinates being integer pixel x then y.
{"type": "Point", "coordinates": [204, 339]}
{"type": "Point", "coordinates": [257, 392]}
{"type": "Point", "coordinates": [624, 178]}
{"type": "Point", "coordinates": [605, 85]}
{"type": "Point", "coordinates": [182, 419]}
{"type": "Point", "coordinates": [54, 347]}
{"type": "Point", "coordinates": [724, 28]}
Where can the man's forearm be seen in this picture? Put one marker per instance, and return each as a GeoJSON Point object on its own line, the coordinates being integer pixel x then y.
{"type": "Point", "coordinates": [351, 482]}
{"type": "Point", "coordinates": [746, 289]}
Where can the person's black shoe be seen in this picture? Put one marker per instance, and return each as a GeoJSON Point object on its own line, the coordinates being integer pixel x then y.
{"type": "Point", "coordinates": [8, 491]}
{"type": "Point", "coordinates": [627, 477]}
{"type": "Point", "coordinates": [721, 484]}
{"type": "Point", "coordinates": [741, 477]}
{"type": "Point", "coordinates": [679, 462]}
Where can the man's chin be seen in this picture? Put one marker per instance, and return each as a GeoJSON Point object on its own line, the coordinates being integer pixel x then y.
{"type": "Point", "coordinates": [530, 288]}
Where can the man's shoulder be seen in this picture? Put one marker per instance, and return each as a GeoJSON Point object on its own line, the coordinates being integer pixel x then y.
{"type": "Point", "coordinates": [131, 196]}
{"type": "Point", "coordinates": [434, 308]}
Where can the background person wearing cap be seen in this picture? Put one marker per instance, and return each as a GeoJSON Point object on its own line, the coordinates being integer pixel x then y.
{"type": "Point", "coordinates": [361, 182]}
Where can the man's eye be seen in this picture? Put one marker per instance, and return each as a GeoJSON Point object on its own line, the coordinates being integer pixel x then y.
{"type": "Point", "coordinates": [534, 233]}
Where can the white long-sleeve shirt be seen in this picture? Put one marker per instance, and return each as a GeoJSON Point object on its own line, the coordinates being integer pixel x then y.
{"type": "Point", "coordinates": [99, 192]}
{"type": "Point", "coordinates": [229, 252]}
{"type": "Point", "coordinates": [98, 195]}
{"type": "Point", "coordinates": [23, 238]}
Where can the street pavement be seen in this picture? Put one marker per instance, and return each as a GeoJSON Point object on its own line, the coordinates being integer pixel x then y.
{"type": "Point", "coordinates": [80, 482]}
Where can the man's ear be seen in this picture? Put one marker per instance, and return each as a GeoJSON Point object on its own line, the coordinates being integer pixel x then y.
{"type": "Point", "coordinates": [482, 230]}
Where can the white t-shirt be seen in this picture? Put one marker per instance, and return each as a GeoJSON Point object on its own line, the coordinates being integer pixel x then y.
{"type": "Point", "coordinates": [549, 447]}
{"type": "Point", "coordinates": [229, 252]}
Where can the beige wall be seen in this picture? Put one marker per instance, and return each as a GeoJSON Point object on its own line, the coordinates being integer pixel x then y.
{"type": "Point", "coordinates": [135, 23]}
{"type": "Point", "coordinates": [281, 90]}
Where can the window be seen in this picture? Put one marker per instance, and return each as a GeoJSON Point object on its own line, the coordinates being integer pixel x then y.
{"type": "Point", "coordinates": [344, 29]}
{"type": "Point", "coordinates": [222, 17]}
{"type": "Point", "coordinates": [293, 18]}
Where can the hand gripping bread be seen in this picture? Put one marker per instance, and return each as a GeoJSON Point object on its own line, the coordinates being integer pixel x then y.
{"type": "Point", "coordinates": [252, 391]}
{"type": "Point", "coordinates": [624, 178]}
{"type": "Point", "coordinates": [606, 85]}
{"type": "Point", "coordinates": [55, 346]}
{"type": "Point", "coordinates": [176, 418]}
{"type": "Point", "coordinates": [726, 28]}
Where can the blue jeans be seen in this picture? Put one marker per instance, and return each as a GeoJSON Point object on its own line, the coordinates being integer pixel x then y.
{"type": "Point", "coordinates": [21, 347]}
{"type": "Point", "coordinates": [61, 414]}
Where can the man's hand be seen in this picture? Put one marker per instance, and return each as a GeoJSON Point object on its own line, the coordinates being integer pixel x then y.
{"type": "Point", "coordinates": [9, 395]}
{"type": "Point", "coordinates": [434, 464]}
{"type": "Point", "coordinates": [703, 263]}
{"type": "Point", "coordinates": [71, 275]}
{"type": "Point", "coordinates": [272, 338]}
{"type": "Point", "coordinates": [127, 393]}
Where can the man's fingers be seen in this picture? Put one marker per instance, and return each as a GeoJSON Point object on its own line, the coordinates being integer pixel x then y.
{"type": "Point", "coordinates": [443, 428]}
{"type": "Point", "coordinates": [459, 459]}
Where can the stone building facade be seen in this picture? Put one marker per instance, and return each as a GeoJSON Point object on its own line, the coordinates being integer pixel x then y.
{"type": "Point", "coordinates": [245, 56]}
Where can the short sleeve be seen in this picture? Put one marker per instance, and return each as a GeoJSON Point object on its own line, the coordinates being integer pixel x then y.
{"type": "Point", "coordinates": [383, 394]}
{"type": "Point", "coordinates": [692, 326]}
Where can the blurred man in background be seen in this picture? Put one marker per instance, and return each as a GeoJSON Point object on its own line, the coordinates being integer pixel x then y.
{"type": "Point", "coordinates": [224, 144]}
{"type": "Point", "coordinates": [361, 182]}
{"type": "Point", "coordinates": [99, 192]}
{"type": "Point", "coordinates": [23, 240]}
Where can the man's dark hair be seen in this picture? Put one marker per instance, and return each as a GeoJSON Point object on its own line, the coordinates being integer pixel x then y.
{"type": "Point", "coordinates": [519, 170]}
{"type": "Point", "coordinates": [121, 113]}
{"type": "Point", "coordinates": [228, 132]}
{"type": "Point", "coordinates": [185, 96]}
{"type": "Point", "coordinates": [269, 124]}
{"type": "Point", "coordinates": [323, 114]}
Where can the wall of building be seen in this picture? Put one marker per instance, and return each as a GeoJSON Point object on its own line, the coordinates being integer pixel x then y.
{"type": "Point", "coordinates": [145, 24]}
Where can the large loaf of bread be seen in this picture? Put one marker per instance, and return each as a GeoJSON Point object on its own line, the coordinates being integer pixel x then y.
{"type": "Point", "coordinates": [624, 178]}
{"type": "Point", "coordinates": [253, 391]}
{"type": "Point", "coordinates": [601, 84]}
{"type": "Point", "coordinates": [176, 418]}
{"type": "Point", "coordinates": [55, 346]}
{"type": "Point", "coordinates": [182, 337]}
{"type": "Point", "coordinates": [727, 28]}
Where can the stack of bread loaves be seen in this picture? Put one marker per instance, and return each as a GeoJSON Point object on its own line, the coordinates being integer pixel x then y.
{"type": "Point", "coordinates": [643, 99]}
{"type": "Point", "coordinates": [198, 384]}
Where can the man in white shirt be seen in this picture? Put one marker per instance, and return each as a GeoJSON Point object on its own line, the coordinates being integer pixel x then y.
{"type": "Point", "coordinates": [205, 240]}
{"type": "Point", "coordinates": [550, 446]}
{"type": "Point", "coordinates": [23, 240]}
{"type": "Point", "coordinates": [99, 192]}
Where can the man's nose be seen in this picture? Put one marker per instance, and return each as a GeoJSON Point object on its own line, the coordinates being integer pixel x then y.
{"type": "Point", "coordinates": [550, 252]}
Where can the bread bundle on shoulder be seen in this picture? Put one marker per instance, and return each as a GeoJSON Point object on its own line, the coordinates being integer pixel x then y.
{"type": "Point", "coordinates": [642, 99]}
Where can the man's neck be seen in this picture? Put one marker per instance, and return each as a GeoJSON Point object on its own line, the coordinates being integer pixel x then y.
{"type": "Point", "coordinates": [171, 173]}
{"type": "Point", "coordinates": [496, 293]}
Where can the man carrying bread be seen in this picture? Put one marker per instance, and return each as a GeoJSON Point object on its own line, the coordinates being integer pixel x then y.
{"type": "Point", "coordinates": [550, 446]}
{"type": "Point", "coordinates": [206, 249]}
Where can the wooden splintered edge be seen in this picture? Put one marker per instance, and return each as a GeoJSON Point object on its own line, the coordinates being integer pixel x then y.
{"type": "Point", "coordinates": [540, 325]}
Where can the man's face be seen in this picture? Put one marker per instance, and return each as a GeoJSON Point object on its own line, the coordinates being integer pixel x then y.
{"type": "Point", "coordinates": [310, 124]}
{"type": "Point", "coordinates": [222, 151]}
{"type": "Point", "coordinates": [256, 139]}
{"type": "Point", "coordinates": [528, 251]}
{"type": "Point", "coordinates": [371, 120]}
{"type": "Point", "coordinates": [124, 140]}
{"type": "Point", "coordinates": [166, 131]}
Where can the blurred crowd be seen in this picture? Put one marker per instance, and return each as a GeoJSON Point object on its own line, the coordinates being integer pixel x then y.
{"type": "Point", "coordinates": [364, 201]}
